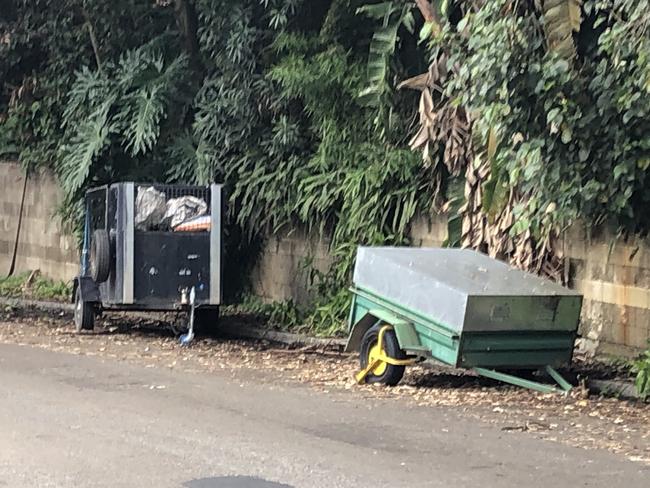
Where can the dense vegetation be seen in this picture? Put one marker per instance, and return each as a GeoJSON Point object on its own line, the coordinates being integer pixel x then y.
{"type": "Point", "coordinates": [532, 114]}
{"type": "Point", "coordinates": [557, 95]}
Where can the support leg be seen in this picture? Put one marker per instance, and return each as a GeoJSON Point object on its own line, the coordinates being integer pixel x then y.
{"type": "Point", "coordinates": [564, 384]}
{"type": "Point", "coordinates": [515, 380]}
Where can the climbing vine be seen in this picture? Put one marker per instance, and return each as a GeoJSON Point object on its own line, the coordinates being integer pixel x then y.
{"type": "Point", "coordinates": [544, 114]}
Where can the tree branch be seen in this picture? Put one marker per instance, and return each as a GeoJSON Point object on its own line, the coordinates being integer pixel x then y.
{"type": "Point", "coordinates": [187, 20]}
{"type": "Point", "coordinates": [428, 12]}
{"type": "Point", "coordinates": [93, 39]}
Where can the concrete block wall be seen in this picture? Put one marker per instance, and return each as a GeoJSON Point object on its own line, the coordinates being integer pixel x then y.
{"type": "Point", "coordinates": [281, 275]}
{"type": "Point", "coordinates": [429, 231]}
{"type": "Point", "coordinates": [611, 273]}
{"type": "Point", "coordinates": [43, 243]}
{"type": "Point", "coordinates": [614, 277]}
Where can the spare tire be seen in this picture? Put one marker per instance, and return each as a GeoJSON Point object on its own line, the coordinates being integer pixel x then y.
{"type": "Point", "coordinates": [100, 256]}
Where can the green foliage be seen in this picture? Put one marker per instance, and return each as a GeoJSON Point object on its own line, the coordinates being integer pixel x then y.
{"type": "Point", "coordinates": [42, 44]}
{"type": "Point", "coordinates": [641, 368]}
{"type": "Point", "coordinates": [34, 286]}
{"type": "Point", "coordinates": [274, 111]}
{"type": "Point", "coordinates": [392, 16]}
{"type": "Point", "coordinates": [280, 11]}
{"type": "Point", "coordinates": [119, 111]}
{"type": "Point", "coordinates": [86, 144]}
{"type": "Point", "coordinates": [322, 165]}
{"type": "Point", "coordinates": [228, 103]}
{"type": "Point", "coordinates": [12, 286]}
{"type": "Point", "coordinates": [278, 315]}
{"type": "Point", "coordinates": [574, 141]}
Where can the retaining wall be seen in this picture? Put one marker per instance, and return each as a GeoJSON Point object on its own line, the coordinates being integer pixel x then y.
{"type": "Point", "coordinates": [43, 244]}
{"type": "Point", "coordinates": [611, 273]}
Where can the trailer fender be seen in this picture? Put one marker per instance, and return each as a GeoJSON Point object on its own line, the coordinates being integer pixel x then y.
{"type": "Point", "coordinates": [406, 335]}
{"type": "Point", "coordinates": [89, 289]}
{"type": "Point", "coordinates": [358, 330]}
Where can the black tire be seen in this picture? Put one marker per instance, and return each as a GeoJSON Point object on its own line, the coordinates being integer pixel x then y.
{"type": "Point", "coordinates": [392, 374]}
{"type": "Point", "coordinates": [206, 320]}
{"type": "Point", "coordinates": [100, 256]}
{"type": "Point", "coordinates": [84, 313]}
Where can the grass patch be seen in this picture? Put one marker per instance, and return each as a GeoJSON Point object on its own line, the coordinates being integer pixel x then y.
{"type": "Point", "coordinates": [641, 368]}
{"type": "Point", "coordinates": [287, 316]}
{"type": "Point", "coordinates": [34, 286]}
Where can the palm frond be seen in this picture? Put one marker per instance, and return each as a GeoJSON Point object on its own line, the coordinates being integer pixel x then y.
{"type": "Point", "coordinates": [190, 162]}
{"type": "Point", "coordinates": [89, 90]}
{"type": "Point", "coordinates": [378, 11]}
{"type": "Point", "coordinates": [149, 86]}
{"type": "Point", "coordinates": [140, 119]}
{"type": "Point", "coordinates": [174, 75]}
{"type": "Point", "coordinates": [382, 47]}
{"type": "Point", "coordinates": [84, 148]}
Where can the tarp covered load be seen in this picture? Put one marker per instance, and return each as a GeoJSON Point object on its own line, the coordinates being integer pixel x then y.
{"type": "Point", "coordinates": [154, 212]}
{"type": "Point", "coordinates": [150, 208]}
{"type": "Point", "coordinates": [182, 209]}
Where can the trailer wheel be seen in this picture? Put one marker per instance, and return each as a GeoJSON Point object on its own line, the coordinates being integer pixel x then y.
{"type": "Point", "coordinates": [388, 374]}
{"type": "Point", "coordinates": [100, 256]}
{"type": "Point", "coordinates": [84, 313]}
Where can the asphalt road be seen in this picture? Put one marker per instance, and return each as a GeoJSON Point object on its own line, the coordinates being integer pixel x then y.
{"type": "Point", "coordinates": [75, 421]}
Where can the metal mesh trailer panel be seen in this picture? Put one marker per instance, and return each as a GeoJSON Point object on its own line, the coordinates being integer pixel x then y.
{"type": "Point", "coordinates": [151, 269]}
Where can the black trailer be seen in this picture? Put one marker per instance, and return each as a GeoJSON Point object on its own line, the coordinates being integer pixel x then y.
{"type": "Point", "coordinates": [156, 266]}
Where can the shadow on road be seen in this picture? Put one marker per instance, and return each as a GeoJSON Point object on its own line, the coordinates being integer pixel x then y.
{"type": "Point", "coordinates": [234, 482]}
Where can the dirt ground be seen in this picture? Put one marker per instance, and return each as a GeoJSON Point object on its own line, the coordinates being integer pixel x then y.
{"type": "Point", "coordinates": [579, 419]}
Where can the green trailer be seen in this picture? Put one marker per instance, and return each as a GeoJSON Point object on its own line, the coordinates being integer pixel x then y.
{"type": "Point", "coordinates": [461, 308]}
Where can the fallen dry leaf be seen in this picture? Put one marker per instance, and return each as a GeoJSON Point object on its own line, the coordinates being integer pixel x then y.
{"type": "Point", "coordinates": [591, 423]}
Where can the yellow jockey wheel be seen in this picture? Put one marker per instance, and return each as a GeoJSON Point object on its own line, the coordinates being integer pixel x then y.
{"type": "Point", "coordinates": [381, 358]}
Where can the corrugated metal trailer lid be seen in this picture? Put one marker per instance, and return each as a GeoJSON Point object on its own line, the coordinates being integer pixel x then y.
{"type": "Point", "coordinates": [466, 271]}
{"type": "Point", "coordinates": [452, 286]}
